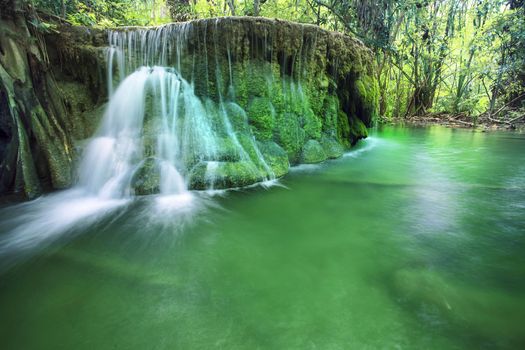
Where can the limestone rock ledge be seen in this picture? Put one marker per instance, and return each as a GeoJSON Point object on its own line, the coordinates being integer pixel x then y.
{"type": "Point", "coordinates": [307, 93]}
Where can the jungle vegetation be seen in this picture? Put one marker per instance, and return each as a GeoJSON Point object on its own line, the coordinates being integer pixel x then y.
{"type": "Point", "coordinates": [460, 57]}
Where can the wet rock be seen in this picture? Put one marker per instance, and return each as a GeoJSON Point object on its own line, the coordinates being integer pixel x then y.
{"type": "Point", "coordinates": [274, 83]}
{"type": "Point", "coordinates": [290, 136]}
{"type": "Point", "coordinates": [221, 175]}
{"type": "Point", "coordinates": [313, 152]}
{"type": "Point", "coordinates": [331, 147]}
{"type": "Point", "coordinates": [146, 179]}
{"type": "Point", "coordinates": [275, 157]}
{"type": "Point", "coordinates": [261, 115]}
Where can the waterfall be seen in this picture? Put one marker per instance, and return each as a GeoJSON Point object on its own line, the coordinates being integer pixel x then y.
{"type": "Point", "coordinates": [157, 134]}
{"type": "Point", "coordinates": [204, 105]}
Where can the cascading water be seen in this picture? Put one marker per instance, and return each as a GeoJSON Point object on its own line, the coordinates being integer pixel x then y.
{"type": "Point", "coordinates": [156, 136]}
{"type": "Point", "coordinates": [113, 156]}
{"type": "Point", "coordinates": [155, 119]}
{"type": "Point", "coordinates": [188, 110]}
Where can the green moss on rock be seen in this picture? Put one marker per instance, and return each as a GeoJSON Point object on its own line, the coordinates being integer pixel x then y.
{"type": "Point", "coordinates": [227, 151]}
{"type": "Point", "coordinates": [331, 147]}
{"type": "Point", "coordinates": [275, 157]}
{"type": "Point", "coordinates": [83, 115]}
{"type": "Point", "coordinates": [312, 124]}
{"type": "Point", "coordinates": [313, 152]}
{"type": "Point", "coordinates": [250, 79]}
{"type": "Point", "coordinates": [368, 90]}
{"type": "Point", "coordinates": [237, 116]}
{"type": "Point", "coordinates": [280, 82]}
{"type": "Point", "coordinates": [329, 113]}
{"type": "Point", "coordinates": [220, 175]}
{"type": "Point", "coordinates": [358, 130]}
{"type": "Point", "coordinates": [261, 115]}
{"type": "Point", "coordinates": [343, 128]}
{"type": "Point", "coordinates": [146, 179]}
{"type": "Point", "coordinates": [289, 135]}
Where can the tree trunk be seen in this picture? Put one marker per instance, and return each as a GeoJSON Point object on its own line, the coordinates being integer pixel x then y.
{"type": "Point", "coordinates": [231, 5]}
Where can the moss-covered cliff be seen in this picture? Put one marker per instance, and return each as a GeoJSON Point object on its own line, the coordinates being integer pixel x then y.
{"type": "Point", "coordinates": [35, 147]}
{"type": "Point", "coordinates": [278, 71]}
{"type": "Point", "coordinates": [304, 93]}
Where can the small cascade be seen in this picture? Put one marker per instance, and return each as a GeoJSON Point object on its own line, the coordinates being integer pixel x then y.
{"type": "Point", "coordinates": [110, 156]}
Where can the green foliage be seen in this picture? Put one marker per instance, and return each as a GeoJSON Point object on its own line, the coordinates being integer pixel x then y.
{"type": "Point", "coordinates": [42, 26]}
{"type": "Point", "coordinates": [456, 56]}
{"type": "Point", "coordinates": [432, 56]}
{"type": "Point", "coordinates": [107, 13]}
{"type": "Point", "coordinates": [505, 40]}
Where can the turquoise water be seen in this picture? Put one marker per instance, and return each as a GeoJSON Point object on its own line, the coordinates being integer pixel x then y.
{"type": "Point", "coordinates": [414, 240]}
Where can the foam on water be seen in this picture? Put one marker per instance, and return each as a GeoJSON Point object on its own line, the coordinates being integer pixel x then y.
{"type": "Point", "coordinates": [365, 145]}
{"type": "Point", "coordinates": [153, 118]}
{"type": "Point", "coordinates": [41, 222]}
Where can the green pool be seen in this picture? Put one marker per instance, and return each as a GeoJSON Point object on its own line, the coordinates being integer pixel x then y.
{"type": "Point", "coordinates": [414, 240]}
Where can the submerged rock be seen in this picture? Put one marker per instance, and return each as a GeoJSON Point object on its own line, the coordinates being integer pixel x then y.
{"type": "Point", "coordinates": [486, 310]}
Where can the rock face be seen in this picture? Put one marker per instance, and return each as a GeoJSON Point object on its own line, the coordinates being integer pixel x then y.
{"type": "Point", "coordinates": [35, 149]}
{"type": "Point", "coordinates": [302, 94]}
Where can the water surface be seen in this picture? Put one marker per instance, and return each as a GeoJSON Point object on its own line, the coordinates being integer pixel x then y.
{"type": "Point", "coordinates": [414, 240]}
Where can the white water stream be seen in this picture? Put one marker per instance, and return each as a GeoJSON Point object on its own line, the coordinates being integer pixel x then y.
{"type": "Point", "coordinates": [153, 115]}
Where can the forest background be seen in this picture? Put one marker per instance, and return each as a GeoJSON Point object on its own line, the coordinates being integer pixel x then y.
{"type": "Point", "coordinates": [434, 57]}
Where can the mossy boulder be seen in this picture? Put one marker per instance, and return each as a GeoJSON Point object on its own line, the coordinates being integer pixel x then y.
{"type": "Point", "coordinates": [221, 175]}
{"type": "Point", "coordinates": [146, 179]}
{"type": "Point", "coordinates": [275, 157]}
{"type": "Point", "coordinates": [250, 79]}
{"type": "Point", "coordinates": [256, 78]}
{"type": "Point", "coordinates": [329, 113]}
{"type": "Point", "coordinates": [312, 124]}
{"type": "Point", "coordinates": [343, 129]}
{"type": "Point", "coordinates": [331, 147]}
{"type": "Point", "coordinates": [215, 117]}
{"type": "Point", "coordinates": [313, 152]}
{"type": "Point", "coordinates": [83, 114]}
